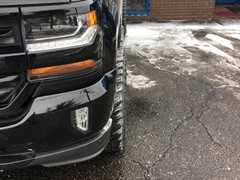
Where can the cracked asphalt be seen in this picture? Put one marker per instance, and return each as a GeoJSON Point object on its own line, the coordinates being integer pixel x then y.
{"type": "Point", "coordinates": [186, 126]}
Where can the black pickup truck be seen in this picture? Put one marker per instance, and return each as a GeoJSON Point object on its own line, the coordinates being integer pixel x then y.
{"type": "Point", "coordinates": [62, 81]}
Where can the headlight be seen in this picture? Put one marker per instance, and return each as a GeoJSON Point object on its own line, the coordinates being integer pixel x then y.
{"type": "Point", "coordinates": [59, 31]}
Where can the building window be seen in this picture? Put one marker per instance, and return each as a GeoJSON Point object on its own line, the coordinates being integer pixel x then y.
{"type": "Point", "coordinates": [138, 7]}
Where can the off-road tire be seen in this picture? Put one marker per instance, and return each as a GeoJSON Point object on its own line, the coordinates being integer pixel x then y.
{"type": "Point", "coordinates": [124, 19]}
{"type": "Point", "coordinates": [123, 28]}
{"type": "Point", "coordinates": [117, 137]}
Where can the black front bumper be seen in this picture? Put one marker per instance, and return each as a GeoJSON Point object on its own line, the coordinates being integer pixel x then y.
{"type": "Point", "coordinates": [46, 135]}
{"type": "Point", "coordinates": [68, 155]}
{"type": "Point", "coordinates": [76, 153]}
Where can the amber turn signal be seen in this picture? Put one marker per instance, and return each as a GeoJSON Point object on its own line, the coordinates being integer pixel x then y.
{"type": "Point", "coordinates": [67, 68]}
{"type": "Point", "coordinates": [91, 18]}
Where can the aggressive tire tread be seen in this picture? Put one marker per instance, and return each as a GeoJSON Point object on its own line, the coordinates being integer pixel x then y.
{"type": "Point", "coordinates": [117, 138]}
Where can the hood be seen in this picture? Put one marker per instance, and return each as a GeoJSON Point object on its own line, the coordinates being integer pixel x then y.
{"type": "Point", "coordinates": [32, 2]}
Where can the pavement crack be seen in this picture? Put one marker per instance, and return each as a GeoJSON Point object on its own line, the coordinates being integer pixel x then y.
{"type": "Point", "coordinates": [146, 169]}
{"type": "Point", "coordinates": [207, 131]}
{"type": "Point", "coordinates": [171, 139]}
{"type": "Point", "coordinates": [198, 119]}
{"type": "Point", "coordinates": [172, 134]}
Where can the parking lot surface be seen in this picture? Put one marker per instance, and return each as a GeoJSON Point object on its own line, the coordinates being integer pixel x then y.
{"type": "Point", "coordinates": [183, 107]}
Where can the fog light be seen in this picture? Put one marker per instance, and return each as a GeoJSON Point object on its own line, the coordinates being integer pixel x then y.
{"type": "Point", "coordinates": [81, 119]}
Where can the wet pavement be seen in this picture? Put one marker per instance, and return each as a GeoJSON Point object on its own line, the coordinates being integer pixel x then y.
{"type": "Point", "coordinates": [183, 121]}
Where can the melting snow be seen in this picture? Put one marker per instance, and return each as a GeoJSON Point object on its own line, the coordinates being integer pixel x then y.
{"type": "Point", "coordinates": [160, 42]}
{"type": "Point", "coordinates": [210, 50]}
{"type": "Point", "coordinates": [237, 36]}
{"type": "Point", "coordinates": [220, 40]}
{"type": "Point", "coordinates": [139, 81]}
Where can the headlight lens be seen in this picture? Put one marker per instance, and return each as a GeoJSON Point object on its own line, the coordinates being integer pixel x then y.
{"type": "Point", "coordinates": [59, 31]}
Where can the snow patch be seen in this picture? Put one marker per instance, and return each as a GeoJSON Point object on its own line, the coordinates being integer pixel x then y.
{"type": "Point", "coordinates": [139, 81]}
{"type": "Point", "coordinates": [226, 82]}
{"type": "Point", "coordinates": [205, 46]}
{"type": "Point", "coordinates": [212, 49]}
{"type": "Point", "coordinates": [236, 36]}
{"type": "Point", "coordinates": [139, 35]}
{"type": "Point", "coordinates": [187, 48]}
{"type": "Point", "coordinates": [176, 43]}
{"type": "Point", "coordinates": [189, 70]}
{"type": "Point", "coordinates": [220, 40]}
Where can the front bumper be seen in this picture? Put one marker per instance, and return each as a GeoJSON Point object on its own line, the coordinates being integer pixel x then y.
{"type": "Point", "coordinates": [68, 155]}
{"type": "Point", "coordinates": [76, 153]}
{"type": "Point", "coordinates": [46, 135]}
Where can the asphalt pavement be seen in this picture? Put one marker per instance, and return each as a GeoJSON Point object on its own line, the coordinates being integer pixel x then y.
{"type": "Point", "coordinates": [184, 125]}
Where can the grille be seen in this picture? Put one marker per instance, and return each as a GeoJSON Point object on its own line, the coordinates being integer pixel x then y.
{"type": "Point", "coordinates": [8, 89]}
{"type": "Point", "coordinates": [15, 90]}
{"type": "Point", "coordinates": [12, 60]}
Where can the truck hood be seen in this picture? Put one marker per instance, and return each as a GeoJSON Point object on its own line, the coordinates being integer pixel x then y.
{"type": "Point", "coordinates": [33, 2]}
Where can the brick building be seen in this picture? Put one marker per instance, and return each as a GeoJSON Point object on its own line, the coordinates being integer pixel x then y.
{"type": "Point", "coordinates": [160, 10]}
